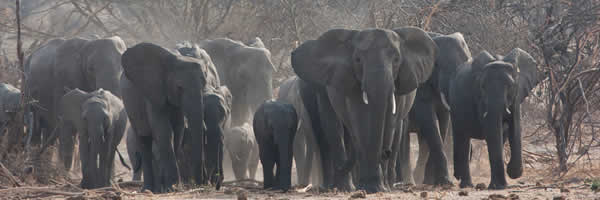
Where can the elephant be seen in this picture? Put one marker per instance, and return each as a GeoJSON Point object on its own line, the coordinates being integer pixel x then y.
{"type": "Point", "coordinates": [368, 80]}
{"type": "Point", "coordinates": [161, 89]}
{"type": "Point", "coordinates": [485, 98]}
{"type": "Point", "coordinates": [135, 154]}
{"type": "Point", "coordinates": [100, 119]}
{"type": "Point", "coordinates": [275, 124]}
{"type": "Point", "coordinates": [430, 113]}
{"type": "Point", "coordinates": [304, 142]}
{"type": "Point", "coordinates": [246, 69]}
{"type": "Point", "coordinates": [243, 151]}
{"type": "Point", "coordinates": [73, 63]}
{"type": "Point", "coordinates": [217, 118]}
{"type": "Point", "coordinates": [10, 103]}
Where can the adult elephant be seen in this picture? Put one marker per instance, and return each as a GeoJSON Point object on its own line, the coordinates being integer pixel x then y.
{"type": "Point", "coordinates": [73, 63]}
{"type": "Point", "coordinates": [10, 103]}
{"type": "Point", "coordinates": [304, 143]}
{"type": "Point", "coordinates": [100, 119]}
{"type": "Point", "coordinates": [430, 114]}
{"type": "Point", "coordinates": [161, 88]}
{"type": "Point", "coordinates": [247, 71]}
{"type": "Point", "coordinates": [485, 98]}
{"type": "Point", "coordinates": [369, 78]}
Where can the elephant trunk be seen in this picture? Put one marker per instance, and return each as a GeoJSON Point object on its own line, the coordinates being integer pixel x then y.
{"type": "Point", "coordinates": [193, 108]}
{"type": "Point", "coordinates": [214, 151]}
{"type": "Point", "coordinates": [377, 93]}
{"type": "Point", "coordinates": [515, 165]}
{"type": "Point", "coordinates": [96, 157]}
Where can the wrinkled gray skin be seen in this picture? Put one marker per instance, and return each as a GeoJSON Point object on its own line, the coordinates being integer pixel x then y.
{"type": "Point", "coordinates": [217, 118]}
{"type": "Point", "coordinates": [485, 99]}
{"type": "Point", "coordinates": [243, 151]}
{"type": "Point", "coordinates": [74, 63]}
{"type": "Point", "coordinates": [369, 78]}
{"type": "Point", "coordinates": [275, 124]}
{"type": "Point", "coordinates": [10, 102]}
{"type": "Point", "coordinates": [430, 114]}
{"type": "Point", "coordinates": [100, 119]}
{"type": "Point", "coordinates": [161, 88]}
{"type": "Point", "coordinates": [304, 143]}
{"type": "Point", "coordinates": [247, 70]}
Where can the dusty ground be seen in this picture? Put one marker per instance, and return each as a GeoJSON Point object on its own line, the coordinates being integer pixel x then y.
{"type": "Point", "coordinates": [539, 182]}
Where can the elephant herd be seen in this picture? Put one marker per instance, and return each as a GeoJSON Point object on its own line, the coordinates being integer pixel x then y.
{"type": "Point", "coordinates": [356, 96]}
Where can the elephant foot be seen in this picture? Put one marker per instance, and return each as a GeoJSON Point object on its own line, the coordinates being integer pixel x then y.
{"type": "Point", "coordinates": [465, 184]}
{"type": "Point", "coordinates": [514, 171]}
{"type": "Point", "coordinates": [496, 186]}
{"type": "Point", "coordinates": [373, 186]}
{"type": "Point", "coordinates": [443, 181]}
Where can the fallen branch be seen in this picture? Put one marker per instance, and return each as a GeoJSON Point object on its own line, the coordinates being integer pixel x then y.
{"type": "Point", "coordinates": [243, 180]}
{"type": "Point", "coordinates": [10, 176]}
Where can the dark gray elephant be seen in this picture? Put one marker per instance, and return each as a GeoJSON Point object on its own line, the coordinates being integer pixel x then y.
{"type": "Point", "coordinates": [10, 103]}
{"type": "Point", "coordinates": [243, 151]}
{"type": "Point", "coordinates": [100, 120]}
{"type": "Point", "coordinates": [246, 70]}
{"type": "Point", "coordinates": [74, 63]}
{"type": "Point", "coordinates": [368, 78]}
{"type": "Point", "coordinates": [430, 114]}
{"type": "Point", "coordinates": [161, 89]}
{"type": "Point", "coordinates": [217, 118]}
{"type": "Point", "coordinates": [134, 150]}
{"type": "Point", "coordinates": [485, 99]}
{"type": "Point", "coordinates": [275, 124]}
{"type": "Point", "coordinates": [304, 143]}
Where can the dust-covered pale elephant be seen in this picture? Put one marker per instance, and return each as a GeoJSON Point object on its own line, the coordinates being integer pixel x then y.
{"type": "Point", "coordinates": [369, 78]}
{"type": "Point", "coordinates": [247, 71]}
{"type": "Point", "coordinates": [100, 120]}
{"type": "Point", "coordinates": [69, 63]}
{"type": "Point", "coordinates": [485, 99]}
{"type": "Point", "coordinates": [10, 103]}
{"type": "Point", "coordinates": [243, 151]}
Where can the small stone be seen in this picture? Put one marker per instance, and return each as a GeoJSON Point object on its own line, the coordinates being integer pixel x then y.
{"type": "Point", "coordinates": [559, 198]}
{"type": "Point", "coordinates": [359, 195]}
{"type": "Point", "coordinates": [423, 194]}
{"type": "Point", "coordinates": [538, 184]}
{"type": "Point", "coordinates": [463, 193]}
{"type": "Point", "coordinates": [480, 186]}
{"type": "Point", "coordinates": [513, 197]}
{"type": "Point", "coordinates": [242, 195]}
{"type": "Point", "coordinates": [564, 190]}
{"type": "Point", "coordinates": [497, 197]}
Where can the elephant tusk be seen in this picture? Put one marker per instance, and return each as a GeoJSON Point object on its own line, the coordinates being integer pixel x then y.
{"type": "Point", "coordinates": [365, 98]}
{"type": "Point", "coordinates": [393, 104]}
{"type": "Point", "coordinates": [485, 114]}
{"type": "Point", "coordinates": [508, 111]}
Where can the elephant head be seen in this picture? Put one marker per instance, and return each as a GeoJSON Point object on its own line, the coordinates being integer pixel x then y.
{"type": "Point", "coordinates": [370, 68]}
{"type": "Point", "coordinates": [99, 62]}
{"type": "Point", "coordinates": [170, 83]}
{"type": "Point", "coordinates": [503, 85]}
{"type": "Point", "coordinates": [453, 51]}
{"type": "Point", "coordinates": [92, 115]}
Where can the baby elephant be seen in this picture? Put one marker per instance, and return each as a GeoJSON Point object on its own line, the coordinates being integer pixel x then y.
{"type": "Point", "coordinates": [100, 120]}
{"type": "Point", "coordinates": [275, 125]}
{"type": "Point", "coordinates": [243, 151]}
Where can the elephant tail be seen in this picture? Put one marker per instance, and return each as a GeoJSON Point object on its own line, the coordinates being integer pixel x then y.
{"type": "Point", "coordinates": [122, 160]}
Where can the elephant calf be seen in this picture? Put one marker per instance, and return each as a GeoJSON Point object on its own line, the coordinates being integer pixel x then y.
{"type": "Point", "coordinates": [100, 119]}
{"type": "Point", "coordinates": [10, 98]}
{"type": "Point", "coordinates": [275, 125]}
{"type": "Point", "coordinates": [243, 151]}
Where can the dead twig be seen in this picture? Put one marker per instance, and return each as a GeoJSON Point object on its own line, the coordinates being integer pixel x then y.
{"type": "Point", "coordinates": [8, 174]}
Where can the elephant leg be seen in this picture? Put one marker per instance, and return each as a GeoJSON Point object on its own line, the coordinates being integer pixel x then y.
{"type": "Point", "coordinates": [300, 155]}
{"type": "Point", "coordinates": [163, 136]}
{"type": "Point", "coordinates": [403, 165]}
{"type": "Point", "coordinates": [253, 162]}
{"type": "Point", "coordinates": [393, 162]}
{"type": "Point", "coordinates": [147, 162]}
{"type": "Point", "coordinates": [267, 159]}
{"type": "Point", "coordinates": [420, 174]}
{"type": "Point", "coordinates": [462, 172]}
{"type": "Point", "coordinates": [67, 144]}
{"type": "Point", "coordinates": [239, 163]}
{"type": "Point", "coordinates": [284, 164]}
{"type": "Point", "coordinates": [428, 129]}
{"type": "Point", "coordinates": [495, 151]}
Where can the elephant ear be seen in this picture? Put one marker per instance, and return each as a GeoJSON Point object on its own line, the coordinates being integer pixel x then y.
{"type": "Point", "coordinates": [71, 102]}
{"type": "Point", "coordinates": [145, 65]}
{"type": "Point", "coordinates": [69, 56]}
{"type": "Point", "coordinates": [453, 52]}
{"type": "Point", "coordinates": [527, 71]}
{"type": "Point", "coordinates": [327, 61]}
{"type": "Point", "coordinates": [480, 61]}
{"type": "Point", "coordinates": [418, 53]}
